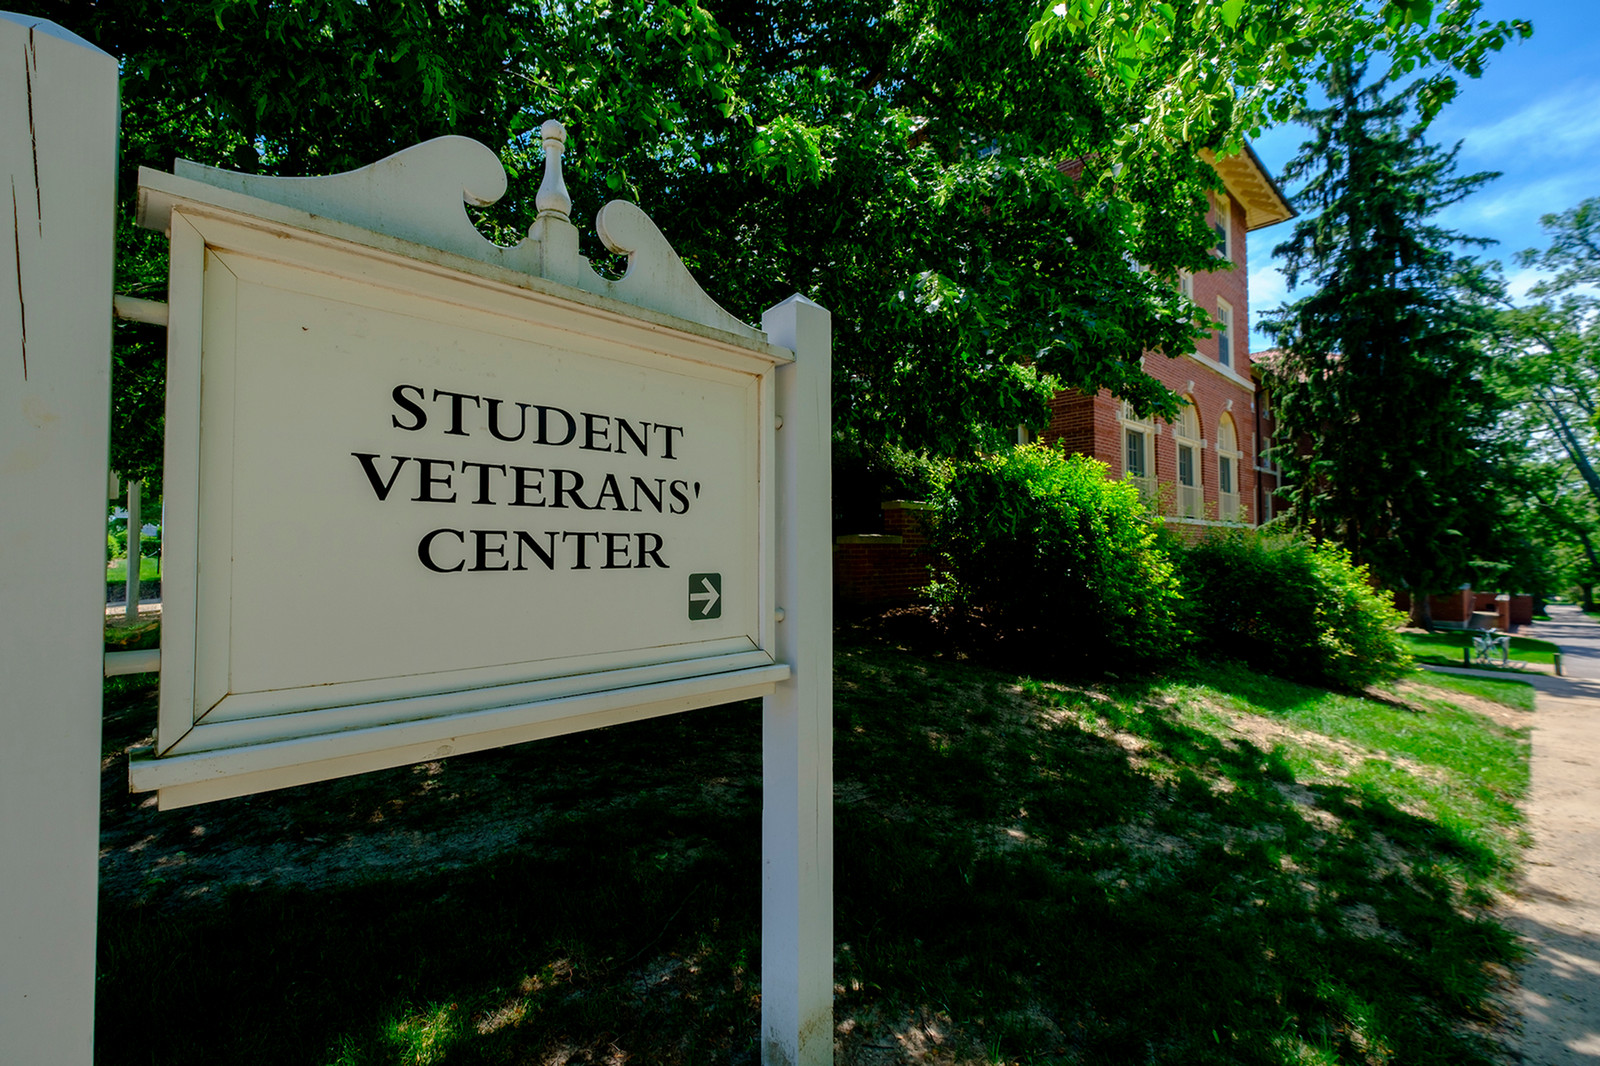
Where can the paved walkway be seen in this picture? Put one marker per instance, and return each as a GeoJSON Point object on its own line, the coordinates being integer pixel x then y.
{"type": "Point", "coordinates": [1578, 635]}
{"type": "Point", "coordinates": [1557, 909]}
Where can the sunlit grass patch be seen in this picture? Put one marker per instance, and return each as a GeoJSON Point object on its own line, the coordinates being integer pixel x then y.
{"type": "Point", "coordinates": [1445, 648]}
{"type": "Point", "coordinates": [1516, 694]}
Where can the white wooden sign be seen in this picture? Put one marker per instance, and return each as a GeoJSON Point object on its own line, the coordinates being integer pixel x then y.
{"type": "Point", "coordinates": [424, 495]}
{"type": "Point", "coordinates": [421, 501]}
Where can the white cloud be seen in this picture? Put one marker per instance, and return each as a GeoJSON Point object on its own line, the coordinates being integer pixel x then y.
{"type": "Point", "coordinates": [1518, 282]}
{"type": "Point", "coordinates": [1564, 124]}
{"type": "Point", "coordinates": [1510, 212]}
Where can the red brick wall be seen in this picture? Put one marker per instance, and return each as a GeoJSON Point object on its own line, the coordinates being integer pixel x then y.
{"type": "Point", "coordinates": [1083, 424]}
{"type": "Point", "coordinates": [1521, 610]}
{"type": "Point", "coordinates": [882, 570]}
{"type": "Point", "coordinates": [1454, 607]}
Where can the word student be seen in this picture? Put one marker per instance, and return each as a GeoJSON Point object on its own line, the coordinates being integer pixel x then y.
{"type": "Point", "coordinates": [555, 427]}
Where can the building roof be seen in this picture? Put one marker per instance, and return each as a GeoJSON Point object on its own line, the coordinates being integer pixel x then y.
{"type": "Point", "coordinates": [1249, 182]}
{"type": "Point", "coordinates": [1267, 359]}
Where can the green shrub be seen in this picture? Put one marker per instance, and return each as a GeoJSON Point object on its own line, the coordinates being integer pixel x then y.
{"type": "Point", "coordinates": [1292, 608]}
{"type": "Point", "coordinates": [1053, 558]}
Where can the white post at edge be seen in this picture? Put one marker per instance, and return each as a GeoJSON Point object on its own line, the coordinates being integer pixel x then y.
{"type": "Point", "coordinates": [58, 153]}
{"type": "Point", "coordinates": [135, 559]}
{"type": "Point", "coordinates": [797, 722]}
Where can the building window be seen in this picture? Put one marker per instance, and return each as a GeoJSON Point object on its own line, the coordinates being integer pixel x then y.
{"type": "Point", "coordinates": [1228, 470]}
{"type": "Point", "coordinates": [1264, 460]}
{"type": "Point", "coordinates": [1137, 464]}
{"type": "Point", "coordinates": [1225, 334]}
{"type": "Point", "coordinates": [1186, 283]}
{"type": "Point", "coordinates": [1186, 434]}
{"type": "Point", "coordinates": [1223, 226]}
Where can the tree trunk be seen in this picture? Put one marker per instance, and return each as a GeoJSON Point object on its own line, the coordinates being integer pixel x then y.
{"type": "Point", "coordinates": [1422, 611]}
{"type": "Point", "coordinates": [1574, 446]}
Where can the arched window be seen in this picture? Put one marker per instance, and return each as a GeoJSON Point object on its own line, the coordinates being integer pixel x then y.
{"type": "Point", "coordinates": [1227, 470]}
{"type": "Point", "coordinates": [1138, 452]}
{"type": "Point", "coordinates": [1186, 434]}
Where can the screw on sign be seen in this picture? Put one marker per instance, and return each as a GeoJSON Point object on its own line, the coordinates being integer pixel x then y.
{"type": "Point", "coordinates": [705, 596]}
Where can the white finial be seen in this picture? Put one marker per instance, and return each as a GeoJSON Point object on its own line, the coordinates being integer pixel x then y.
{"type": "Point", "coordinates": [553, 198]}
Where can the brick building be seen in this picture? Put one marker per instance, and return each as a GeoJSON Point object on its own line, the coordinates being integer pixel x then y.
{"type": "Point", "coordinates": [1207, 467]}
{"type": "Point", "coordinates": [1201, 468]}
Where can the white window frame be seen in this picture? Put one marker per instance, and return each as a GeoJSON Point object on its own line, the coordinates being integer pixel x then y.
{"type": "Point", "coordinates": [1224, 227]}
{"type": "Point", "coordinates": [1228, 504]}
{"type": "Point", "coordinates": [1225, 341]}
{"type": "Point", "coordinates": [1132, 425]}
{"type": "Point", "coordinates": [1186, 437]}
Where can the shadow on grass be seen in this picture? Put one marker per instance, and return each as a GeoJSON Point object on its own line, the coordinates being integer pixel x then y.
{"type": "Point", "coordinates": [1082, 878]}
{"type": "Point", "coordinates": [1145, 891]}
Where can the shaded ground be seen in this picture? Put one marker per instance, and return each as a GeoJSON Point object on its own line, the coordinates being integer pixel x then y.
{"type": "Point", "coordinates": [1557, 908]}
{"type": "Point", "coordinates": [1188, 871]}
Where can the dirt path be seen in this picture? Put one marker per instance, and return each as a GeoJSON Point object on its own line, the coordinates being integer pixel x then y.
{"type": "Point", "coordinates": [1558, 908]}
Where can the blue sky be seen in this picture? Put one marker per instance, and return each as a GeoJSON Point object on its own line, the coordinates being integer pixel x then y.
{"type": "Point", "coordinates": [1535, 115]}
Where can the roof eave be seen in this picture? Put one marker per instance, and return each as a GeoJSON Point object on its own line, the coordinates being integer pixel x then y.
{"type": "Point", "coordinates": [1248, 181]}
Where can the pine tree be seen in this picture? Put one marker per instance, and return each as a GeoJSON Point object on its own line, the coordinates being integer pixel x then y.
{"type": "Point", "coordinates": [1382, 407]}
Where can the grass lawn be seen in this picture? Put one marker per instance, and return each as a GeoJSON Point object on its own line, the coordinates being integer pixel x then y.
{"type": "Point", "coordinates": [1217, 867]}
{"type": "Point", "coordinates": [1518, 694]}
{"type": "Point", "coordinates": [1444, 648]}
{"type": "Point", "coordinates": [149, 569]}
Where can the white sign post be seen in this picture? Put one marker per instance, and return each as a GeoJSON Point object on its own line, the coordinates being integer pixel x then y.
{"type": "Point", "coordinates": [427, 495]}
{"type": "Point", "coordinates": [797, 726]}
{"type": "Point", "coordinates": [58, 140]}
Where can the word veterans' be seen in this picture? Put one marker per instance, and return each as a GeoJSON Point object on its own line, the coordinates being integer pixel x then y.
{"type": "Point", "coordinates": [526, 486]}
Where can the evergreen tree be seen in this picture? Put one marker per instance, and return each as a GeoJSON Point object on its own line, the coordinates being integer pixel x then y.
{"type": "Point", "coordinates": [1380, 384]}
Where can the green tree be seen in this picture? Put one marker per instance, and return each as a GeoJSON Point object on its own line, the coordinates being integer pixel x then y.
{"type": "Point", "coordinates": [1212, 72]}
{"type": "Point", "coordinates": [977, 216]}
{"type": "Point", "coordinates": [1554, 531]}
{"type": "Point", "coordinates": [1551, 343]}
{"type": "Point", "coordinates": [1547, 355]}
{"type": "Point", "coordinates": [1382, 375]}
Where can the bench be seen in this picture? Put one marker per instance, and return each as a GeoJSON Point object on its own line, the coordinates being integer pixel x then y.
{"type": "Point", "coordinates": [1490, 644]}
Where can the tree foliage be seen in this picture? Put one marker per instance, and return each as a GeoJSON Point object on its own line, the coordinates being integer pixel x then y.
{"type": "Point", "coordinates": [1213, 72]}
{"type": "Point", "coordinates": [1052, 558]}
{"type": "Point", "coordinates": [1382, 374]}
{"type": "Point", "coordinates": [1292, 608]}
{"type": "Point", "coordinates": [985, 219]}
{"type": "Point", "coordinates": [1547, 355]}
{"type": "Point", "coordinates": [1551, 343]}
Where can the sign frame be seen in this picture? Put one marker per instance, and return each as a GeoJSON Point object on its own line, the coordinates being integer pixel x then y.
{"type": "Point", "coordinates": [204, 749]}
